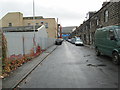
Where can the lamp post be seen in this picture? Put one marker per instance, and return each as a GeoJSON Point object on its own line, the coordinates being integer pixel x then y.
{"type": "Point", "coordinates": [34, 44]}
{"type": "Point", "coordinates": [34, 17]}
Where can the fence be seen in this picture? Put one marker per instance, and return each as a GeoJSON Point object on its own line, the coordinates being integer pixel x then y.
{"type": "Point", "coordinates": [23, 46]}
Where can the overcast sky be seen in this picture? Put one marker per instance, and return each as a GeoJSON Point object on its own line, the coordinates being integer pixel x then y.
{"type": "Point", "coordinates": [69, 12]}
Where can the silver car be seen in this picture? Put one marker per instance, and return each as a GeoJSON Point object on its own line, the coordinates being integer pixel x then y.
{"type": "Point", "coordinates": [79, 42]}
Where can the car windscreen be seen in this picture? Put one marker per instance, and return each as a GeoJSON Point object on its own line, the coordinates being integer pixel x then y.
{"type": "Point", "coordinates": [79, 40]}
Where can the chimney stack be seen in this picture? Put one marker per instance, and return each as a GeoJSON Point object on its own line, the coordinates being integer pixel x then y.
{"type": "Point", "coordinates": [104, 3]}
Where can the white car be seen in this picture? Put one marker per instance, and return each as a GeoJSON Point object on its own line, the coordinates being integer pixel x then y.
{"type": "Point", "coordinates": [79, 42]}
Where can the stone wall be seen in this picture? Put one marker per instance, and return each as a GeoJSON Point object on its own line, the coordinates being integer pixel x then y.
{"type": "Point", "coordinates": [108, 15]}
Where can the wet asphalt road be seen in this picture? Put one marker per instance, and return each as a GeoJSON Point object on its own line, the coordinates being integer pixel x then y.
{"type": "Point", "coordinates": [71, 66]}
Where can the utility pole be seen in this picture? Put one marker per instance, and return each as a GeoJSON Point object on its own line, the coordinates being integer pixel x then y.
{"type": "Point", "coordinates": [59, 30]}
{"type": "Point", "coordinates": [34, 46]}
{"type": "Point", "coordinates": [34, 18]}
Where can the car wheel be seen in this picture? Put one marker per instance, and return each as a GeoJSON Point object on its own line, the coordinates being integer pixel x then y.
{"type": "Point", "coordinates": [97, 52]}
{"type": "Point", "coordinates": [116, 58]}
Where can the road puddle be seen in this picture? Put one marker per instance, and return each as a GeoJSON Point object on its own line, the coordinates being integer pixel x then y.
{"type": "Point", "coordinates": [97, 65]}
{"type": "Point", "coordinates": [86, 55]}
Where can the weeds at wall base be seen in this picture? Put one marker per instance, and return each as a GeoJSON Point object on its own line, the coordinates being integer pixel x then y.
{"type": "Point", "coordinates": [12, 63]}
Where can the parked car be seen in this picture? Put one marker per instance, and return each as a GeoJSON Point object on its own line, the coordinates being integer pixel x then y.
{"type": "Point", "coordinates": [107, 42]}
{"type": "Point", "coordinates": [77, 38]}
{"type": "Point", "coordinates": [62, 39]}
{"type": "Point", "coordinates": [79, 42]}
{"type": "Point", "coordinates": [73, 40]}
{"type": "Point", "coordinates": [58, 41]}
{"type": "Point", "coordinates": [69, 40]}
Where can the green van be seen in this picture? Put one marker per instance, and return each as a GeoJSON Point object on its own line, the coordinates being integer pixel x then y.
{"type": "Point", "coordinates": [107, 42]}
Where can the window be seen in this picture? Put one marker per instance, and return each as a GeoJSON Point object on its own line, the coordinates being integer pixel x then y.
{"type": "Point", "coordinates": [97, 21]}
{"type": "Point", "coordinates": [42, 22]}
{"type": "Point", "coordinates": [86, 28]}
{"type": "Point", "coordinates": [106, 16]}
{"type": "Point", "coordinates": [37, 24]}
{"type": "Point", "coordinates": [90, 24]}
{"type": "Point", "coordinates": [111, 33]}
{"type": "Point", "coordinates": [29, 24]}
{"type": "Point", "coordinates": [10, 25]}
{"type": "Point", "coordinates": [46, 25]}
{"type": "Point", "coordinates": [118, 32]}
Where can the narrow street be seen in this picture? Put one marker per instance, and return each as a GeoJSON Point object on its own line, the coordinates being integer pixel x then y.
{"type": "Point", "coordinates": [71, 66]}
{"type": "Point", "coordinates": [40, 44]}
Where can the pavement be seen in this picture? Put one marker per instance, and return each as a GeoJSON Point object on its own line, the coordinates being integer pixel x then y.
{"type": "Point", "coordinates": [90, 46]}
{"type": "Point", "coordinates": [22, 72]}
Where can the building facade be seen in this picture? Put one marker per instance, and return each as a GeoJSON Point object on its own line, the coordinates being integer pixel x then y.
{"type": "Point", "coordinates": [0, 54]}
{"type": "Point", "coordinates": [66, 31]}
{"type": "Point", "coordinates": [16, 19]}
{"type": "Point", "coordinates": [108, 15]}
{"type": "Point", "coordinates": [12, 19]}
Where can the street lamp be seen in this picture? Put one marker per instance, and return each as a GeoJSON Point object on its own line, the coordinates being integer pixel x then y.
{"type": "Point", "coordinates": [34, 45]}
